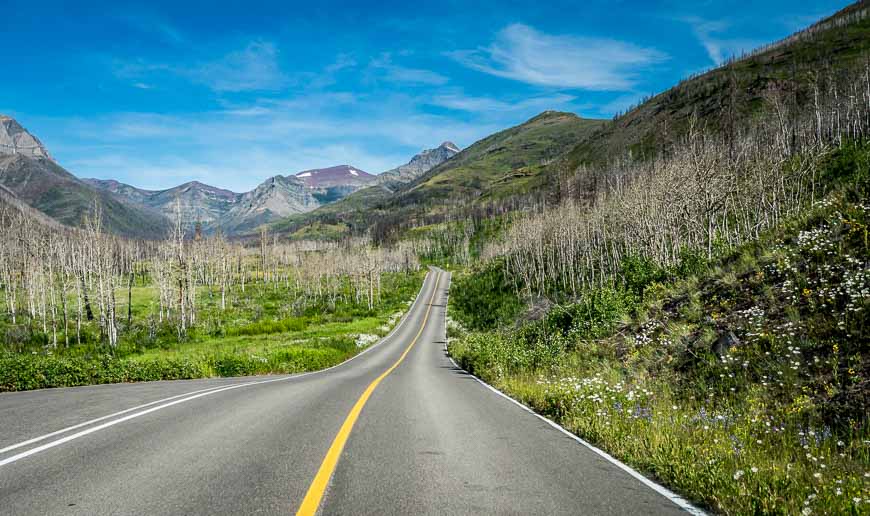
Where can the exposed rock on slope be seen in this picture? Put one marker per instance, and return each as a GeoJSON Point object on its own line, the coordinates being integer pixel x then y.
{"type": "Point", "coordinates": [419, 164]}
{"type": "Point", "coordinates": [199, 202]}
{"type": "Point", "coordinates": [277, 197]}
{"type": "Point", "coordinates": [14, 139]}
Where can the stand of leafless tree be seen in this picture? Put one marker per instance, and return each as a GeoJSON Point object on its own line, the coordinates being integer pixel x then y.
{"type": "Point", "coordinates": [709, 190]}
{"type": "Point", "coordinates": [55, 279]}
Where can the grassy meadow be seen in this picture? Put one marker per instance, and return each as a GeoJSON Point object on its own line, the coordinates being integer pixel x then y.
{"type": "Point", "coordinates": [265, 328]}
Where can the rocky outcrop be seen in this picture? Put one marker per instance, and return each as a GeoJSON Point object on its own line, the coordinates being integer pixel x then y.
{"type": "Point", "coordinates": [14, 139]}
{"type": "Point", "coordinates": [419, 164]}
{"type": "Point", "coordinates": [277, 197]}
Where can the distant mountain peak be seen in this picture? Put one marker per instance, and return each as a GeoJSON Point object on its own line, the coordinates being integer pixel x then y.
{"type": "Point", "coordinates": [337, 176]}
{"type": "Point", "coordinates": [449, 146]}
{"type": "Point", "coordinates": [15, 139]}
{"type": "Point", "coordinates": [419, 164]}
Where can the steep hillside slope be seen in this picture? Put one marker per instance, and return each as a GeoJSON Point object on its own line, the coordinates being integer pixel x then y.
{"type": "Point", "coordinates": [277, 197]}
{"type": "Point", "coordinates": [44, 185]}
{"type": "Point", "coordinates": [741, 382]}
{"type": "Point", "coordinates": [10, 204]}
{"type": "Point", "coordinates": [724, 98]}
{"type": "Point", "coordinates": [419, 165]}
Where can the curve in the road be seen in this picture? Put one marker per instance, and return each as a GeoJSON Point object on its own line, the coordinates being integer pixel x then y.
{"type": "Point", "coordinates": [311, 502]}
{"type": "Point", "coordinates": [429, 439]}
{"type": "Point", "coordinates": [167, 402]}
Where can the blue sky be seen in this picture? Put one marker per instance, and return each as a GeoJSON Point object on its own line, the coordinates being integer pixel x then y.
{"type": "Point", "coordinates": [229, 93]}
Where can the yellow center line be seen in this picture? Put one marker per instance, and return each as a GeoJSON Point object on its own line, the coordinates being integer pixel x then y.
{"type": "Point", "coordinates": [318, 486]}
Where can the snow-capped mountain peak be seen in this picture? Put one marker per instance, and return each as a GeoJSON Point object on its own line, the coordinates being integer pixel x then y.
{"type": "Point", "coordinates": [338, 176]}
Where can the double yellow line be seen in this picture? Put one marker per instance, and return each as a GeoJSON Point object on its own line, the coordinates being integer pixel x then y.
{"type": "Point", "coordinates": [318, 486]}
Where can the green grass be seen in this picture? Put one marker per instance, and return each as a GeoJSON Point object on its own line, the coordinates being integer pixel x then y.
{"type": "Point", "coordinates": [503, 163]}
{"type": "Point", "coordinates": [263, 330]}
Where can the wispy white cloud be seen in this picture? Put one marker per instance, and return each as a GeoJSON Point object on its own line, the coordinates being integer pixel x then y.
{"type": "Point", "coordinates": [254, 68]}
{"type": "Point", "coordinates": [342, 61]}
{"type": "Point", "coordinates": [719, 47]}
{"type": "Point", "coordinates": [525, 54]}
{"type": "Point", "coordinates": [240, 146]}
{"type": "Point", "coordinates": [393, 72]}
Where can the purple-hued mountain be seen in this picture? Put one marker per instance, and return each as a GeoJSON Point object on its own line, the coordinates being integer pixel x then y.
{"type": "Point", "coordinates": [338, 176]}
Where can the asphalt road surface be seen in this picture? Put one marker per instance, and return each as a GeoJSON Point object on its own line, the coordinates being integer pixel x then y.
{"type": "Point", "coordinates": [397, 430]}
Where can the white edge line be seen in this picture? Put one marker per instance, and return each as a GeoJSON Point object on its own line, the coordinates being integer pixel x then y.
{"type": "Point", "coordinates": [95, 420]}
{"type": "Point", "coordinates": [93, 429]}
{"type": "Point", "coordinates": [192, 394]}
{"type": "Point", "coordinates": [660, 489]}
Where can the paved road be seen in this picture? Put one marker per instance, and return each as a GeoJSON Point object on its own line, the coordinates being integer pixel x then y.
{"type": "Point", "coordinates": [428, 439]}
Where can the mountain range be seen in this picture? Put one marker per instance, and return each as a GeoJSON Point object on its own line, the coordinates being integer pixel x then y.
{"type": "Point", "coordinates": [30, 176]}
{"type": "Point", "coordinates": [503, 165]}
{"type": "Point", "coordinates": [517, 168]}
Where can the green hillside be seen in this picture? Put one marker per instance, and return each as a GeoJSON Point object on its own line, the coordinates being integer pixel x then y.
{"type": "Point", "coordinates": [511, 162]}
{"type": "Point", "coordinates": [742, 382]}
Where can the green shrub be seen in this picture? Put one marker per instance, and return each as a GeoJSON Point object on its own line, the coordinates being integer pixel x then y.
{"type": "Point", "coordinates": [639, 272]}
{"type": "Point", "coordinates": [485, 299]}
{"type": "Point", "coordinates": [593, 315]}
{"type": "Point", "coordinates": [236, 365]}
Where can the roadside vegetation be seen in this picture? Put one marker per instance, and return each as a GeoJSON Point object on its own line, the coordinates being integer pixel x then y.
{"type": "Point", "coordinates": [704, 317]}
{"type": "Point", "coordinates": [83, 307]}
